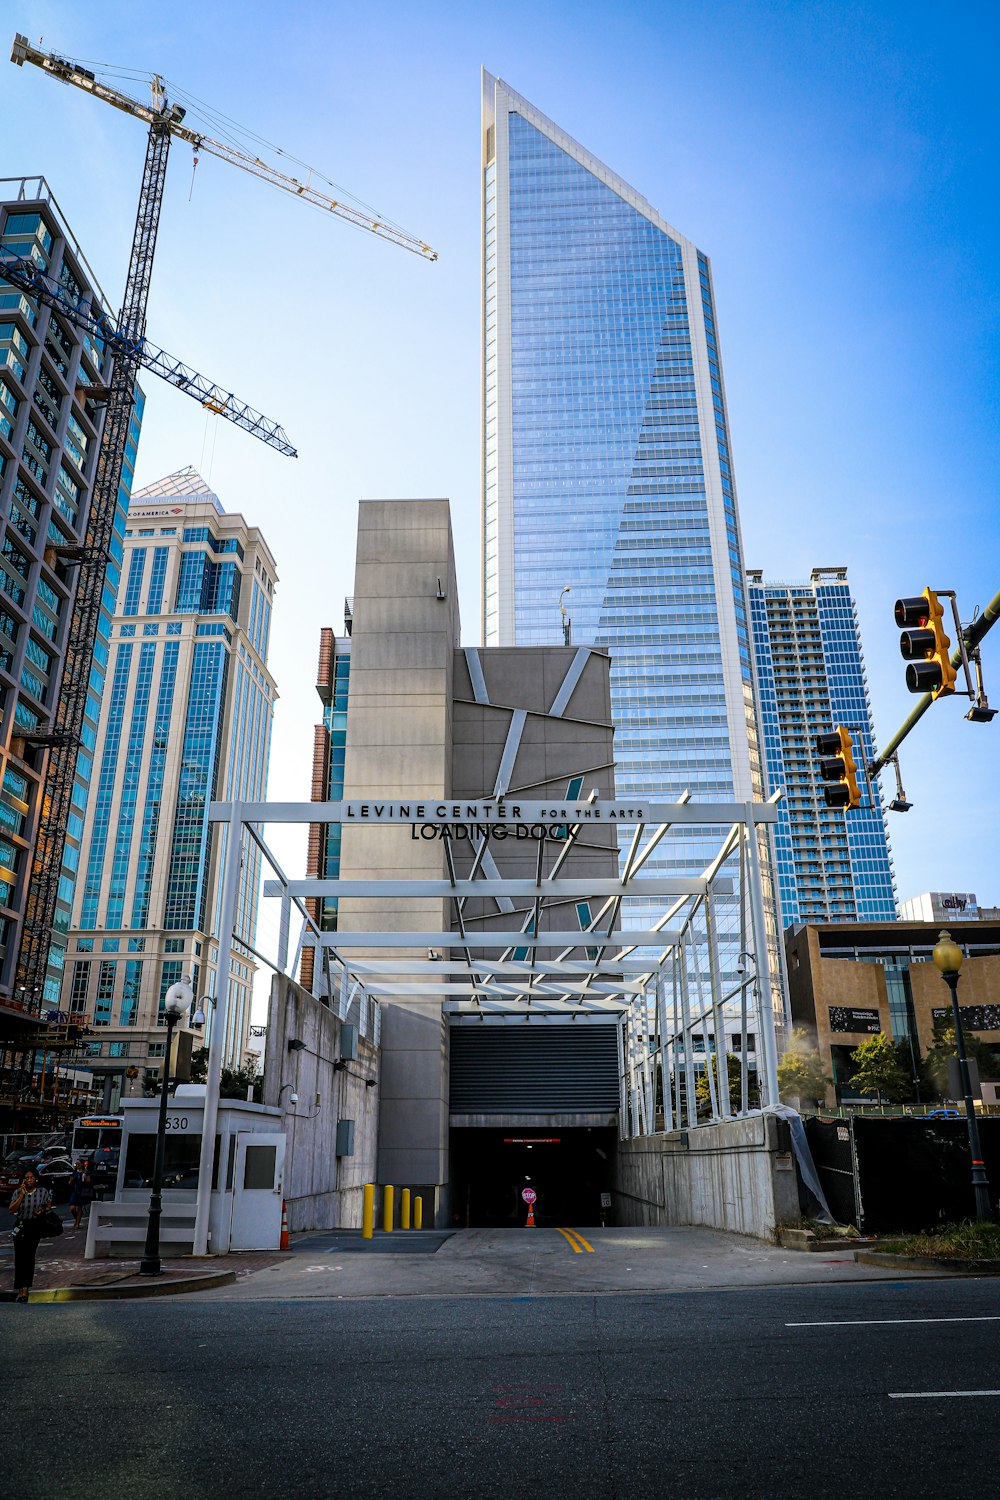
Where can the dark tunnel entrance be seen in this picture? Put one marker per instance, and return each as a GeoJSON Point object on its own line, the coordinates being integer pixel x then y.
{"type": "Point", "coordinates": [569, 1170]}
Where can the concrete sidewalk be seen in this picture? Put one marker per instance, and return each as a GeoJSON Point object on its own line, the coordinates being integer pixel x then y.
{"type": "Point", "coordinates": [545, 1262]}
{"type": "Point", "coordinates": [61, 1268]}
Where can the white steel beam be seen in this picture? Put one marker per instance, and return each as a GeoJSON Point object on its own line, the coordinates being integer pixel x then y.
{"type": "Point", "coordinates": [665, 885]}
{"type": "Point", "coordinates": [635, 939]}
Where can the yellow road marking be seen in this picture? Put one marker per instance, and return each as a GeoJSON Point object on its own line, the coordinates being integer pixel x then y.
{"type": "Point", "coordinates": [577, 1240]}
{"type": "Point", "coordinates": [570, 1240]}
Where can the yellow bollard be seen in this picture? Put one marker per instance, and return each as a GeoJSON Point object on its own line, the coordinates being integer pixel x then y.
{"type": "Point", "coordinates": [368, 1211]}
{"type": "Point", "coordinates": [388, 1193]}
{"type": "Point", "coordinates": [404, 1209]}
{"type": "Point", "coordinates": [418, 1213]}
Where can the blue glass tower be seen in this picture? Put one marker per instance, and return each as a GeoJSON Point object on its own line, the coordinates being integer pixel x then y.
{"type": "Point", "coordinates": [607, 464]}
{"type": "Point", "coordinates": [186, 718]}
{"type": "Point", "coordinates": [832, 865]}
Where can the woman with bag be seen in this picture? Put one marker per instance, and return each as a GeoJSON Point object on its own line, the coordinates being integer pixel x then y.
{"type": "Point", "coordinates": [29, 1205]}
{"type": "Point", "coordinates": [81, 1190]}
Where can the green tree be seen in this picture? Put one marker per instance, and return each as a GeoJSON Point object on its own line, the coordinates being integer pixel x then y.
{"type": "Point", "coordinates": [945, 1046]}
{"type": "Point", "coordinates": [233, 1082]}
{"type": "Point", "coordinates": [702, 1092]}
{"type": "Point", "coordinates": [878, 1070]}
{"type": "Point", "coordinates": [800, 1071]}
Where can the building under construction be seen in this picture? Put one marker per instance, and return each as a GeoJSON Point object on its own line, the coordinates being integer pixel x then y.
{"type": "Point", "coordinates": [52, 379]}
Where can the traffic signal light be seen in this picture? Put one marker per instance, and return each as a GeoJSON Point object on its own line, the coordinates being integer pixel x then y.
{"type": "Point", "coordinates": [837, 767]}
{"type": "Point", "coordinates": [924, 645]}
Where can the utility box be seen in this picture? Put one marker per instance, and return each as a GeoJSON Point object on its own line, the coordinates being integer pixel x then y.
{"type": "Point", "coordinates": [349, 1043]}
{"type": "Point", "coordinates": [345, 1137]}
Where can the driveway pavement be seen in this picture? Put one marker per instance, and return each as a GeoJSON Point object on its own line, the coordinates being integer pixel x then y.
{"type": "Point", "coordinates": [538, 1262]}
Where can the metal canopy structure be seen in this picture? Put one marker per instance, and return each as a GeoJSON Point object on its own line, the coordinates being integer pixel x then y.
{"type": "Point", "coordinates": [663, 984]}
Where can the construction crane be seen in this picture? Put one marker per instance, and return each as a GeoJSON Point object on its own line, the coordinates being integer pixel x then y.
{"type": "Point", "coordinates": [61, 740]}
{"type": "Point", "coordinates": [170, 118]}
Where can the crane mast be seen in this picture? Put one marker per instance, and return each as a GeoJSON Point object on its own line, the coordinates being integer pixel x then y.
{"type": "Point", "coordinates": [61, 742]}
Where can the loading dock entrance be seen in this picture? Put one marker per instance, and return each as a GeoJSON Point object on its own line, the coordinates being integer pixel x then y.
{"type": "Point", "coordinates": [569, 1169]}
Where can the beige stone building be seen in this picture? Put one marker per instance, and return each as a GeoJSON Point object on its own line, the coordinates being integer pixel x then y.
{"type": "Point", "coordinates": [849, 981]}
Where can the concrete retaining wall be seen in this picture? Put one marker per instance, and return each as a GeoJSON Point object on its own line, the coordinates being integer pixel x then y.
{"type": "Point", "coordinates": [739, 1176]}
{"type": "Point", "coordinates": [321, 1191]}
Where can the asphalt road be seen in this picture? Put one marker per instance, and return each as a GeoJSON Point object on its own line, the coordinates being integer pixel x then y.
{"type": "Point", "coordinates": [702, 1395]}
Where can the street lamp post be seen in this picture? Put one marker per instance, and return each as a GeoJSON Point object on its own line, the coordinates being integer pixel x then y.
{"type": "Point", "coordinates": [948, 958]}
{"type": "Point", "coordinates": [176, 1001]}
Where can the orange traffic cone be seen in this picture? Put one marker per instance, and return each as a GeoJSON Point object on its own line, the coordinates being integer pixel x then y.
{"type": "Point", "coordinates": [283, 1242]}
{"type": "Point", "coordinates": [530, 1221]}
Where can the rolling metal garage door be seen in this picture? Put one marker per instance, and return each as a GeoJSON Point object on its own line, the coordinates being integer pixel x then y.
{"type": "Point", "coordinates": [523, 1069]}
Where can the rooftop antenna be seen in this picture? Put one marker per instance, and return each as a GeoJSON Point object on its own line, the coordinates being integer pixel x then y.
{"type": "Point", "coordinates": [567, 623]}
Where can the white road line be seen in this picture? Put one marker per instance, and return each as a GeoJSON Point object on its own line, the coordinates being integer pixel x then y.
{"type": "Point", "coordinates": [933, 1395]}
{"type": "Point", "coordinates": [879, 1322]}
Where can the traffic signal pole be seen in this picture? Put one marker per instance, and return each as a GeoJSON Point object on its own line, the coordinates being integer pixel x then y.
{"type": "Point", "coordinates": [973, 635]}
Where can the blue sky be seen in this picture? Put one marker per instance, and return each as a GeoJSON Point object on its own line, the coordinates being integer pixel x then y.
{"type": "Point", "coordinates": [836, 161]}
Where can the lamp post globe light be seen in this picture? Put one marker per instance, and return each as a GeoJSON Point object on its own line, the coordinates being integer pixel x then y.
{"type": "Point", "coordinates": [175, 1002]}
{"type": "Point", "coordinates": [947, 956]}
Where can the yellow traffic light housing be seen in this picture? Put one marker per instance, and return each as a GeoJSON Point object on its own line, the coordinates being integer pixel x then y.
{"type": "Point", "coordinates": [837, 768]}
{"type": "Point", "coordinates": [924, 645]}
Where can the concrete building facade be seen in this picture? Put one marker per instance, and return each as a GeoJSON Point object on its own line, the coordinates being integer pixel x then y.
{"type": "Point", "coordinates": [947, 906]}
{"type": "Point", "coordinates": [421, 717]}
{"type": "Point", "coordinates": [187, 718]}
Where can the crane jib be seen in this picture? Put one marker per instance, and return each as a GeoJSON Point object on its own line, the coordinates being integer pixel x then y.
{"type": "Point", "coordinates": [171, 117]}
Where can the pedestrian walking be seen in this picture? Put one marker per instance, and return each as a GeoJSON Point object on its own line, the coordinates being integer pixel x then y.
{"type": "Point", "coordinates": [81, 1190]}
{"type": "Point", "coordinates": [29, 1205]}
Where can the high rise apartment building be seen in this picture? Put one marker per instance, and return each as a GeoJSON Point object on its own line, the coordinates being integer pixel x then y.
{"type": "Point", "coordinates": [607, 465]}
{"type": "Point", "coordinates": [832, 865]}
{"type": "Point", "coordinates": [51, 419]}
{"type": "Point", "coordinates": [187, 719]}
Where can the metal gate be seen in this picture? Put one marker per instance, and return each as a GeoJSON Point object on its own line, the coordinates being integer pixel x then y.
{"type": "Point", "coordinates": [534, 1068]}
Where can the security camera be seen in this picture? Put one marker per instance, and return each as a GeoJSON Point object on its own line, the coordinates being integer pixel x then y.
{"type": "Point", "coordinates": [741, 967]}
{"type": "Point", "coordinates": [293, 1098]}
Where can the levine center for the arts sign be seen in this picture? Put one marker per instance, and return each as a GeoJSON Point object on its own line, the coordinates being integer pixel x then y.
{"type": "Point", "coordinates": [487, 815]}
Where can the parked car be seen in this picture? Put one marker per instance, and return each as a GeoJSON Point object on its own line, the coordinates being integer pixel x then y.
{"type": "Point", "coordinates": [55, 1173]}
{"type": "Point", "coordinates": [35, 1154]}
{"type": "Point", "coordinates": [944, 1114]}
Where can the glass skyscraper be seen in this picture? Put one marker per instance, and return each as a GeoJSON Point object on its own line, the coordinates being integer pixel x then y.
{"type": "Point", "coordinates": [832, 865]}
{"type": "Point", "coordinates": [186, 718]}
{"type": "Point", "coordinates": [607, 464]}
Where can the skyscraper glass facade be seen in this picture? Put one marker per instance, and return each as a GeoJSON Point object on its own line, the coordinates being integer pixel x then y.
{"type": "Point", "coordinates": [607, 465]}
{"type": "Point", "coordinates": [832, 864]}
{"type": "Point", "coordinates": [188, 719]}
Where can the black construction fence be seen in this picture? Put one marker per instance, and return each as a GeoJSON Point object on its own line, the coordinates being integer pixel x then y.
{"type": "Point", "coordinates": [896, 1174]}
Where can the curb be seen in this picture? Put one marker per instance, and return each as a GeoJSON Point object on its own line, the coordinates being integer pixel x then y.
{"type": "Point", "coordinates": [121, 1293]}
{"type": "Point", "coordinates": [928, 1263]}
{"type": "Point", "coordinates": [800, 1240]}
